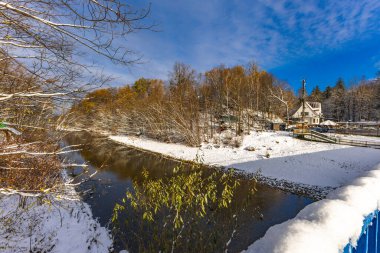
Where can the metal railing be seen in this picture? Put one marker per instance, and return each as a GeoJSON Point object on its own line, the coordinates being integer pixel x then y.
{"type": "Point", "coordinates": [369, 240]}
{"type": "Point", "coordinates": [316, 136]}
{"type": "Point", "coordinates": [369, 144]}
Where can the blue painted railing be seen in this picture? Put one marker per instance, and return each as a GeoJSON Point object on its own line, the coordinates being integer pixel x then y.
{"type": "Point", "coordinates": [369, 240]}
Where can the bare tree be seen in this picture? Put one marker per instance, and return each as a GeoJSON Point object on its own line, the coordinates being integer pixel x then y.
{"type": "Point", "coordinates": [278, 93]}
{"type": "Point", "coordinates": [44, 49]}
{"type": "Point", "coordinates": [52, 37]}
{"type": "Point", "coordinates": [49, 41]}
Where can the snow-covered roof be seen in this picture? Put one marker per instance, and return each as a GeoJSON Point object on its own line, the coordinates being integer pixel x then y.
{"type": "Point", "coordinates": [328, 123]}
{"type": "Point", "coordinates": [314, 111]}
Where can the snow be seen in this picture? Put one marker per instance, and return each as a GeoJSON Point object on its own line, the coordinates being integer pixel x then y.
{"type": "Point", "coordinates": [328, 123]}
{"type": "Point", "coordinates": [350, 137]}
{"type": "Point", "coordinates": [327, 225]}
{"type": "Point", "coordinates": [290, 159]}
{"type": "Point", "coordinates": [58, 224]}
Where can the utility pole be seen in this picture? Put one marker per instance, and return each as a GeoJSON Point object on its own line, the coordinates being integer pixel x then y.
{"type": "Point", "coordinates": [303, 97]}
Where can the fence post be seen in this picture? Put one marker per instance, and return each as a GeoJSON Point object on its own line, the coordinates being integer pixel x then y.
{"type": "Point", "coordinates": [366, 239]}
{"type": "Point", "coordinates": [377, 231]}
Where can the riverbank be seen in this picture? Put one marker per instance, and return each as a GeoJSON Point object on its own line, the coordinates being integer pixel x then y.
{"type": "Point", "coordinates": [119, 170]}
{"type": "Point", "coordinates": [57, 223]}
{"type": "Point", "coordinates": [280, 160]}
{"type": "Point", "coordinates": [330, 225]}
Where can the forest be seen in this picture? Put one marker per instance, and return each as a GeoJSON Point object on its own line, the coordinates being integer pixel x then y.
{"type": "Point", "coordinates": [193, 108]}
{"type": "Point", "coordinates": [358, 102]}
{"type": "Point", "coordinates": [190, 108]}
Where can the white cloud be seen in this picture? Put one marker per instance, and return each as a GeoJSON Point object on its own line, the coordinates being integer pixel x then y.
{"type": "Point", "coordinates": [270, 32]}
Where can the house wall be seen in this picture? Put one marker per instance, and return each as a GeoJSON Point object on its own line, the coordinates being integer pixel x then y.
{"type": "Point", "coordinates": [311, 116]}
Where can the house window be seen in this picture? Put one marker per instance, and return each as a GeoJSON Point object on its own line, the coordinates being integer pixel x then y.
{"type": "Point", "coordinates": [305, 113]}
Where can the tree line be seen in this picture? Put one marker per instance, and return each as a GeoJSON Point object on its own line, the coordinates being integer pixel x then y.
{"type": "Point", "coordinates": [193, 108]}
{"type": "Point", "coordinates": [190, 107]}
{"type": "Point", "coordinates": [360, 101]}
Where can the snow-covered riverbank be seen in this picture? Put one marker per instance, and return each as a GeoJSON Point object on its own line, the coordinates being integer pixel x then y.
{"type": "Point", "coordinates": [291, 160]}
{"type": "Point", "coordinates": [55, 223]}
{"type": "Point", "coordinates": [327, 225]}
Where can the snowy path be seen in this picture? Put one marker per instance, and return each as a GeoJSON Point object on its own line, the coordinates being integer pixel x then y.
{"type": "Point", "coordinates": [293, 160]}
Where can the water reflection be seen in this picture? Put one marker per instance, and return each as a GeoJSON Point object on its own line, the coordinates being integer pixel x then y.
{"type": "Point", "coordinates": [119, 169]}
{"type": "Point", "coordinates": [186, 212]}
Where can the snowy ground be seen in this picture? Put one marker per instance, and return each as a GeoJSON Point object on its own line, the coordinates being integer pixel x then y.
{"type": "Point", "coordinates": [327, 225]}
{"type": "Point", "coordinates": [58, 224]}
{"type": "Point", "coordinates": [290, 160]}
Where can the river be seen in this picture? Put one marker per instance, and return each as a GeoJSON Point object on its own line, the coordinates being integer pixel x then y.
{"type": "Point", "coordinates": [119, 168]}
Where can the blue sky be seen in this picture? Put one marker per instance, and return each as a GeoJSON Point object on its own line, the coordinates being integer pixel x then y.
{"type": "Point", "coordinates": [316, 40]}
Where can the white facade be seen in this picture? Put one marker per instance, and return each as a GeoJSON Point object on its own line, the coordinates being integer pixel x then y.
{"type": "Point", "coordinates": [313, 113]}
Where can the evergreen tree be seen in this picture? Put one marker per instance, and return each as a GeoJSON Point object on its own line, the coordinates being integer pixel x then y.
{"type": "Point", "coordinates": [316, 95]}
{"type": "Point", "coordinates": [340, 87]}
{"type": "Point", "coordinates": [338, 100]}
{"type": "Point", "coordinates": [327, 93]}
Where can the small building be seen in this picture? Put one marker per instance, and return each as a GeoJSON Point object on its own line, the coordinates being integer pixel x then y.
{"type": "Point", "coordinates": [276, 124]}
{"type": "Point", "coordinates": [313, 113]}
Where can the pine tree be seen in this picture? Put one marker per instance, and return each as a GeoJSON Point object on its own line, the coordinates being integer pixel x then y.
{"type": "Point", "coordinates": [316, 95]}
{"type": "Point", "coordinates": [338, 101]}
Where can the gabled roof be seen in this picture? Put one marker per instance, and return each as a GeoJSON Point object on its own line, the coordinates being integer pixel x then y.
{"type": "Point", "coordinates": [311, 108]}
{"type": "Point", "coordinates": [308, 106]}
{"type": "Point", "coordinates": [295, 109]}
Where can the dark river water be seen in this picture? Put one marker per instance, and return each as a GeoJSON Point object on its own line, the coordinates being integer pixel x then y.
{"type": "Point", "coordinates": [119, 168]}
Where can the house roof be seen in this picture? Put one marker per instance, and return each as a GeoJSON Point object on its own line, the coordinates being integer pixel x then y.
{"type": "Point", "coordinates": [312, 109]}
{"type": "Point", "coordinates": [308, 106]}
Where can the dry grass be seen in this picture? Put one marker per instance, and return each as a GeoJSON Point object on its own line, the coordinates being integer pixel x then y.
{"type": "Point", "coordinates": [26, 172]}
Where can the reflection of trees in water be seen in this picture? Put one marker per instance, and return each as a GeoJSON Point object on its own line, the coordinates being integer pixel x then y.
{"type": "Point", "coordinates": [125, 162]}
{"type": "Point", "coordinates": [118, 165]}
{"type": "Point", "coordinates": [187, 212]}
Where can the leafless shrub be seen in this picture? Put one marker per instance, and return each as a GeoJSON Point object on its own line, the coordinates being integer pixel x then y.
{"type": "Point", "coordinates": [22, 169]}
{"type": "Point", "coordinates": [237, 141]}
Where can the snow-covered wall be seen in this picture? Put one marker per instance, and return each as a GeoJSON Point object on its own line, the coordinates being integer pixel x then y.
{"type": "Point", "coordinates": [327, 225]}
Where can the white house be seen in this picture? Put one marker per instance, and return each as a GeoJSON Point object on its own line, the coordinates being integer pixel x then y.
{"type": "Point", "coordinates": [313, 113]}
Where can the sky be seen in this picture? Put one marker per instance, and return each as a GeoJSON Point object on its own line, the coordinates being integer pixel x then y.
{"type": "Point", "coordinates": [319, 41]}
